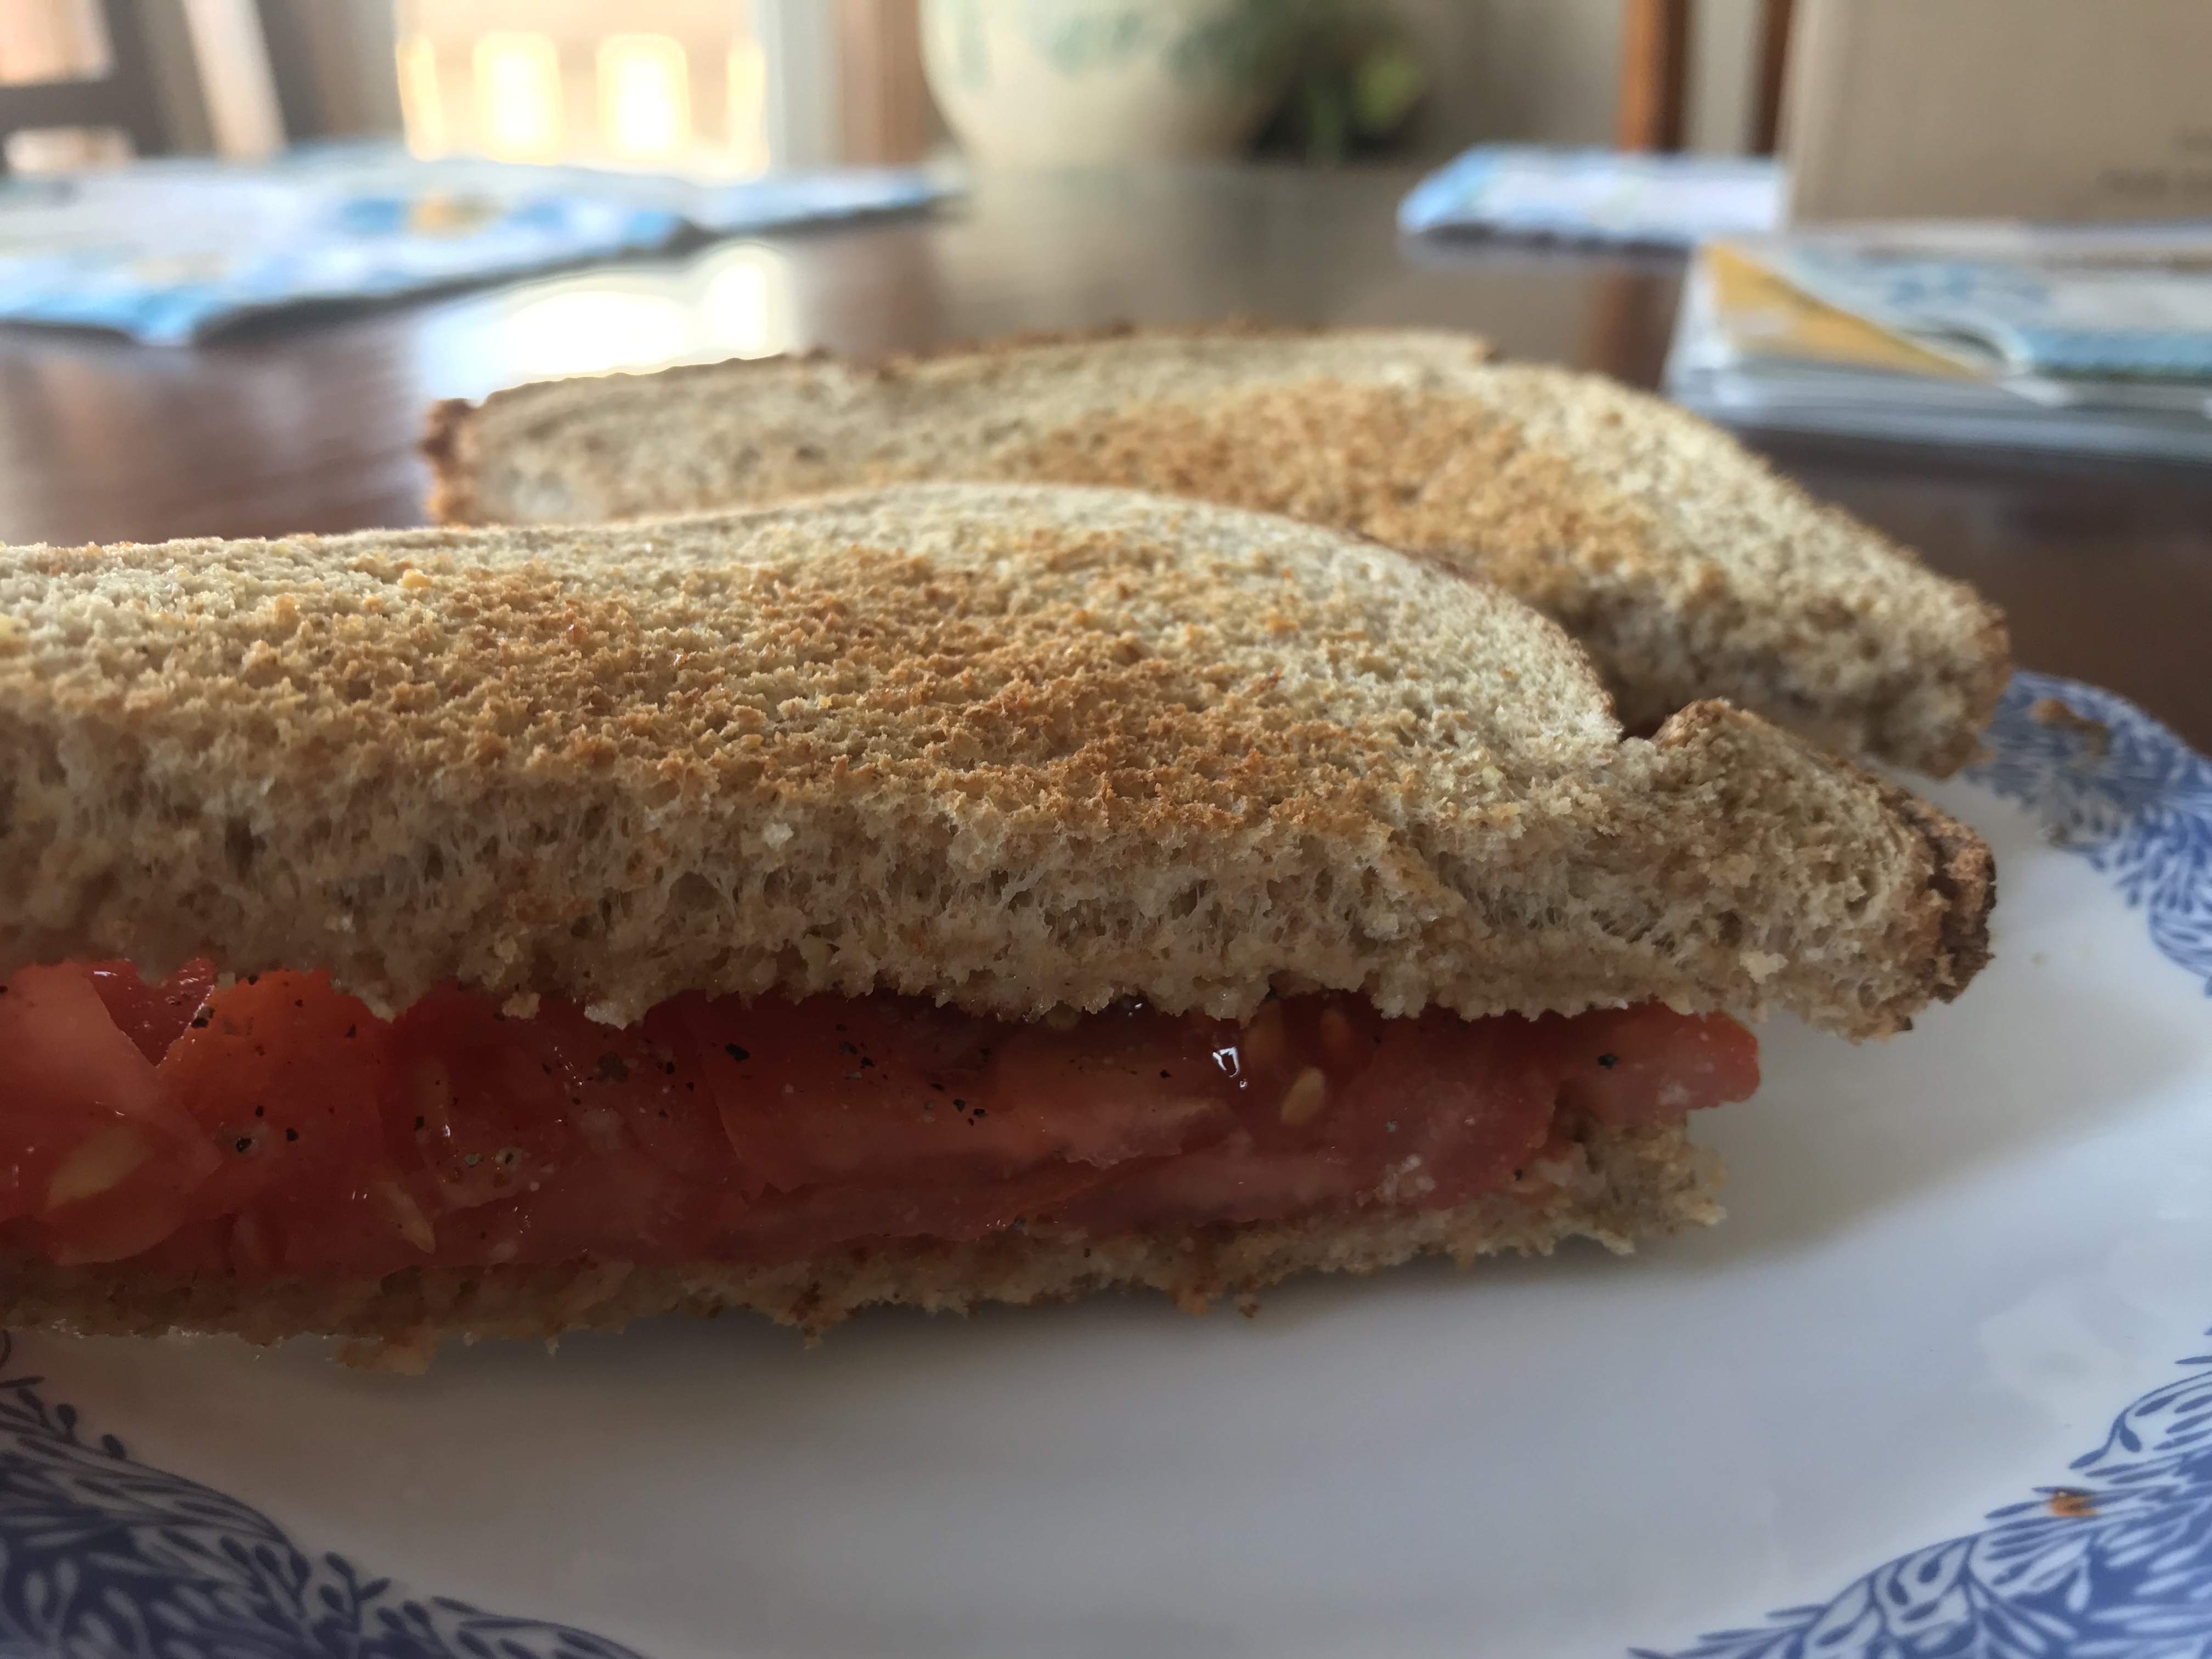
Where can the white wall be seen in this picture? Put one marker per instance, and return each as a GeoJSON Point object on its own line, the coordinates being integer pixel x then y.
{"type": "Point", "coordinates": [800, 38]}
{"type": "Point", "coordinates": [1724, 76]}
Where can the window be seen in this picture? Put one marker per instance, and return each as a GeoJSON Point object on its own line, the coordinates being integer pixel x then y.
{"type": "Point", "coordinates": [673, 85]}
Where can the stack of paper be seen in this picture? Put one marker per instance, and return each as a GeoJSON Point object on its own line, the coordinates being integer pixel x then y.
{"type": "Point", "coordinates": [2093, 339]}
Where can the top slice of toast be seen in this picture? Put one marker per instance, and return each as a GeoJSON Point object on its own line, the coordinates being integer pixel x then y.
{"type": "Point", "coordinates": [1685, 567]}
{"type": "Point", "coordinates": [1015, 747]}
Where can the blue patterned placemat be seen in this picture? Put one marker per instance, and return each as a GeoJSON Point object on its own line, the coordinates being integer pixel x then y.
{"type": "Point", "coordinates": [1596, 195]}
{"type": "Point", "coordinates": [167, 250]}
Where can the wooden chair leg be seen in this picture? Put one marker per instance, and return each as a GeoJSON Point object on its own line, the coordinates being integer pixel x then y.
{"type": "Point", "coordinates": [1773, 66]}
{"type": "Point", "coordinates": [886, 112]}
{"type": "Point", "coordinates": [133, 105]}
{"type": "Point", "coordinates": [1655, 74]}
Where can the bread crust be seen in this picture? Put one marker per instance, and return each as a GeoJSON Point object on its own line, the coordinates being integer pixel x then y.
{"type": "Point", "coordinates": [1962, 872]}
{"type": "Point", "coordinates": [448, 444]}
{"type": "Point", "coordinates": [1686, 566]}
{"type": "Point", "coordinates": [1017, 748]}
{"type": "Point", "coordinates": [1614, 1187]}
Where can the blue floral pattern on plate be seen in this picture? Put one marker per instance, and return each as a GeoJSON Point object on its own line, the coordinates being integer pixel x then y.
{"type": "Point", "coordinates": [102, 1557]}
{"type": "Point", "coordinates": [2118, 1565]}
{"type": "Point", "coordinates": [2112, 784]}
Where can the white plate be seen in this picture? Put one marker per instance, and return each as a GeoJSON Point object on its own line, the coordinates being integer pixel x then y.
{"type": "Point", "coordinates": [1952, 1262]}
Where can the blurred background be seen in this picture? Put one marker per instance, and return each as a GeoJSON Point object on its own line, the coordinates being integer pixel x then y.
{"type": "Point", "coordinates": [729, 86]}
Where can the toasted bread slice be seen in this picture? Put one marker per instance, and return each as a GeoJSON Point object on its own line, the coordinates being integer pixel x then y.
{"type": "Point", "coordinates": [1020, 748]}
{"type": "Point", "coordinates": [1685, 567]}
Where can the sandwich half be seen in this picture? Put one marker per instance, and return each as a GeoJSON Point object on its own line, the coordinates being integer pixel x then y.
{"type": "Point", "coordinates": [1683, 565]}
{"type": "Point", "coordinates": [937, 895]}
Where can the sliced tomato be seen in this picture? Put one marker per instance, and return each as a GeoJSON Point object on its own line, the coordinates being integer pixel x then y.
{"type": "Point", "coordinates": [152, 1016]}
{"type": "Point", "coordinates": [924, 1201]}
{"type": "Point", "coordinates": [196, 1248]}
{"type": "Point", "coordinates": [286, 1130]}
{"type": "Point", "coordinates": [286, 1080]}
{"type": "Point", "coordinates": [866, 1092]}
{"type": "Point", "coordinates": [486, 1110]}
{"type": "Point", "coordinates": [1647, 1065]}
{"type": "Point", "coordinates": [1428, 1112]}
{"type": "Point", "coordinates": [1123, 1084]}
{"type": "Point", "coordinates": [575, 1132]}
{"type": "Point", "coordinates": [831, 1087]}
{"type": "Point", "coordinates": [674, 1115]}
{"type": "Point", "coordinates": [98, 1152]}
{"type": "Point", "coordinates": [620, 1205]}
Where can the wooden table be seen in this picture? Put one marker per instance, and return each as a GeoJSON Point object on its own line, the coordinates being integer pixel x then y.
{"type": "Point", "coordinates": [304, 424]}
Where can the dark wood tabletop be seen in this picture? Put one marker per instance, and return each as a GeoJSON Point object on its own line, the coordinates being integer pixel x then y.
{"type": "Point", "coordinates": [309, 422]}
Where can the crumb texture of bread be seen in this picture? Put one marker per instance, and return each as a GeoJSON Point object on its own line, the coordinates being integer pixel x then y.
{"type": "Point", "coordinates": [1682, 562]}
{"type": "Point", "coordinates": [1614, 1187]}
{"type": "Point", "coordinates": [1016, 747]}
{"type": "Point", "coordinates": [1013, 747]}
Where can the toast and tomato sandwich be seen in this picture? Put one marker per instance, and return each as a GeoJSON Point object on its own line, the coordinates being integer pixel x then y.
{"type": "Point", "coordinates": [937, 895]}
{"type": "Point", "coordinates": [1683, 564]}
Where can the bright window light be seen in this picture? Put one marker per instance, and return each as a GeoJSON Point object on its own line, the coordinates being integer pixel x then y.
{"type": "Point", "coordinates": [663, 86]}
{"type": "Point", "coordinates": [747, 106]}
{"type": "Point", "coordinates": [519, 96]}
{"type": "Point", "coordinates": [645, 105]}
{"type": "Point", "coordinates": [419, 101]}
{"type": "Point", "coordinates": [588, 330]}
{"type": "Point", "coordinates": [746, 301]}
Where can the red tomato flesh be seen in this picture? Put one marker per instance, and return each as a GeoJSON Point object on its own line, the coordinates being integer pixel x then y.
{"type": "Point", "coordinates": [275, 1127]}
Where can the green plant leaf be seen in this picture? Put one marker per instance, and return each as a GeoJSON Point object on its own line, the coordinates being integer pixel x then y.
{"type": "Point", "coordinates": [1386, 84]}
